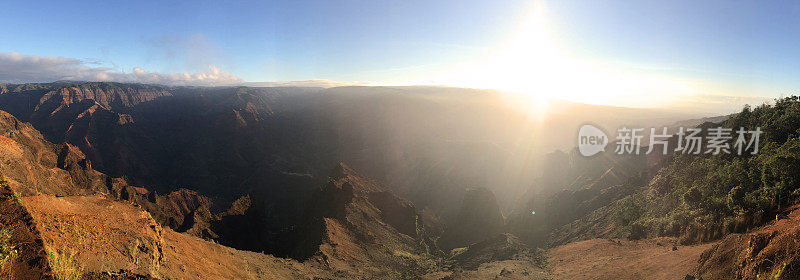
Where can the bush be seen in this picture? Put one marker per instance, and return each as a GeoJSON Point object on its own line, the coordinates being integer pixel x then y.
{"type": "Point", "coordinates": [7, 251]}
{"type": "Point", "coordinates": [693, 197]}
{"type": "Point", "coordinates": [638, 231]}
{"type": "Point", "coordinates": [628, 211]}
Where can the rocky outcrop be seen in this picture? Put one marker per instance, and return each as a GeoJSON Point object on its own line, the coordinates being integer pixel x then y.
{"type": "Point", "coordinates": [478, 219]}
{"type": "Point", "coordinates": [354, 220]}
{"type": "Point", "coordinates": [502, 256]}
{"type": "Point", "coordinates": [395, 211]}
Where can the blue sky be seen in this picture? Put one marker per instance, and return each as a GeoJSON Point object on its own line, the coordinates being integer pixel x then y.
{"type": "Point", "coordinates": [261, 40]}
{"type": "Point", "coordinates": [738, 40]}
{"type": "Point", "coordinates": [737, 48]}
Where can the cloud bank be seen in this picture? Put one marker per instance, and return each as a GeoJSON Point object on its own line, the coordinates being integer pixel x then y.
{"type": "Point", "coordinates": [23, 68]}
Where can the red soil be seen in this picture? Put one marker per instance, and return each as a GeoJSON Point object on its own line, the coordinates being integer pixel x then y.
{"type": "Point", "coordinates": [607, 259]}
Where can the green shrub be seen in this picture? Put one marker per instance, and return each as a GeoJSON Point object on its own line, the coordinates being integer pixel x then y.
{"type": "Point", "coordinates": [7, 251]}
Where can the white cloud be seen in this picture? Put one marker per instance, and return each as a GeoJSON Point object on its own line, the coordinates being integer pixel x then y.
{"type": "Point", "coordinates": [213, 76]}
{"type": "Point", "coordinates": [23, 68]}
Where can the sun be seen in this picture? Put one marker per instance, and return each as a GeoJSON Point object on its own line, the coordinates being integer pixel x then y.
{"type": "Point", "coordinates": [536, 68]}
{"type": "Point", "coordinates": [514, 67]}
{"type": "Point", "coordinates": [527, 63]}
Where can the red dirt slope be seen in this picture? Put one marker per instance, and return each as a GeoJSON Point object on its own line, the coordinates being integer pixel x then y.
{"type": "Point", "coordinates": [608, 259]}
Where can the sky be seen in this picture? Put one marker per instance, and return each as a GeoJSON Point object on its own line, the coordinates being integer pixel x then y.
{"type": "Point", "coordinates": [627, 53]}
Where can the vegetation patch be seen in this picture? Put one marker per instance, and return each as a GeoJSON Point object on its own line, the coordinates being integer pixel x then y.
{"type": "Point", "coordinates": [704, 197]}
{"type": "Point", "coordinates": [64, 265]}
{"type": "Point", "coordinates": [7, 251]}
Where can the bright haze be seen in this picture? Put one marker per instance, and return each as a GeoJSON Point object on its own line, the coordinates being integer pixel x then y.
{"type": "Point", "coordinates": [710, 57]}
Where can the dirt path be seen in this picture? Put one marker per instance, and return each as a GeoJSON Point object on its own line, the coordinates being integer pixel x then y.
{"type": "Point", "coordinates": [31, 259]}
{"type": "Point", "coordinates": [607, 259]}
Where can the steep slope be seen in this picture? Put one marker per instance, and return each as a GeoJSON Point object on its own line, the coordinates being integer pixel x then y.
{"type": "Point", "coordinates": [99, 236]}
{"type": "Point", "coordinates": [478, 219]}
{"type": "Point", "coordinates": [92, 116]}
{"type": "Point", "coordinates": [770, 252]}
{"type": "Point", "coordinates": [94, 230]}
{"type": "Point", "coordinates": [574, 198]}
{"type": "Point", "coordinates": [31, 165]}
{"type": "Point", "coordinates": [357, 227]}
{"type": "Point", "coordinates": [702, 198]}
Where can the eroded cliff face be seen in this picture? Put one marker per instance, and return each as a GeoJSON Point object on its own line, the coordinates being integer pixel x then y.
{"type": "Point", "coordinates": [69, 112]}
{"type": "Point", "coordinates": [33, 165]}
{"type": "Point", "coordinates": [355, 220]}
{"type": "Point", "coordinates": [575, 198]}
{"type": "Point", "coordinates": [478, 219]}
{"type": "Point", "coordinates": [264, 150]}
{"type": "Point", "coordinates": [95, 117]}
